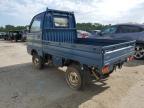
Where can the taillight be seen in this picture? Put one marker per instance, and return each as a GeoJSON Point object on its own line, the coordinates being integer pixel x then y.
{"type": "Point", "coordinates": [105, 69]}
{"type": "Point", "coordinates": [130, 58]}
{"type": "Point", "coordinates": [84, 35]}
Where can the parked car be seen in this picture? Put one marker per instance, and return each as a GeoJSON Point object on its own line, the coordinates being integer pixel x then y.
{"type": "Point", "coordinates": [2, 34]}
{"type": "Point", "coordinates": [83, 34]}
{"type": "Point", "coordinates": [94, 33]}
{"type": "Point", "coordinates": [126, 32]}
{"type": "Point", "coordinates": [6, 36]}
{"type": "Point", "coordinates": [24, 35]}
{"type": "Point", "coordinates": [15, 35]}
{"type": "Point", "coordinates": [54, 41]}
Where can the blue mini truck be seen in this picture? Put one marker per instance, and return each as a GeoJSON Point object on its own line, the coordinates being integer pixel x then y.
{"type": "Point", "coordinates": [52, 39]}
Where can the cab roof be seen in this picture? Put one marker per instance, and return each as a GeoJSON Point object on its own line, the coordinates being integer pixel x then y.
{"type": "Point", "coordinates": [130, 24]}
{"type": "Point", "coordinates": [56, 11]}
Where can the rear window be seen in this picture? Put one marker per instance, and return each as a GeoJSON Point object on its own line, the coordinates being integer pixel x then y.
{"type": "Point", "coordinates": [60, 22]}
{"type": "Point", "coordinates": [130, 29]}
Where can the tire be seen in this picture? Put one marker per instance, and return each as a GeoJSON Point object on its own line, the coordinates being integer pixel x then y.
{"type": "Point", "coordinates": [139, 54]}
{"type": "Point", "coordinates": [22, 40]}
{"type": "Point", "coordinates": [37, 61]}
{"type": "Point", "coordinates": [74, 77]}
{"type": "Point", "coordinates": [16, 40]}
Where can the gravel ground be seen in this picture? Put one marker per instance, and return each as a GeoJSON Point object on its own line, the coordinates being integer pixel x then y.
{"type": "Point", "coordinates": [22, 86]}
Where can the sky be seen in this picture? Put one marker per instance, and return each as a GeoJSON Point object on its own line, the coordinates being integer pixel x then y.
{"type": "Point", "coordinates": [20, 12]}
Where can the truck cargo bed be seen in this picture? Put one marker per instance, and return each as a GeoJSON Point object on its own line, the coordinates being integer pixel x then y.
{"type": "Point", "coordinates": [91, 51]}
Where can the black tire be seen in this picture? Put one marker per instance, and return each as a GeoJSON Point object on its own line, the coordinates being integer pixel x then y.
{"type": "Point", "coordinates": [139, 54]}
{"type": "Point", "coordinates": [74, 73]}
{"type": "Point", "coordinates": [16, 40]}
{"type": "Point", "coordinates": [37, 61]}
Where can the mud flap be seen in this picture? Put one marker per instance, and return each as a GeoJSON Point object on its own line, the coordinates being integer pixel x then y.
{"type": "Point", "coordinates": [84, 76]}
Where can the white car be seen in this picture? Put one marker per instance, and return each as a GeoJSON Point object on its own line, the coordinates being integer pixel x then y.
{"type": "Point", "coordinates": [83, 34]}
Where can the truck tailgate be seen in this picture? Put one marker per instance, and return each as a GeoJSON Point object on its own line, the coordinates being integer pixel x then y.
{"type": "Point", "coordinates": [118, 52]}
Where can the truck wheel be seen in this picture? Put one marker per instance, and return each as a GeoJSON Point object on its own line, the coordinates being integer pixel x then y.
{"type": "Point", "coordinates": [74, 78]}
{"type": "Point", "coordinates": [37, 61]}
{"type": "Point", "coordinates": [139, 54]}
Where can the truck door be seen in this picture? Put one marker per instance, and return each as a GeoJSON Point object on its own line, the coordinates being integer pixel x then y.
{"type": "Point", "coordinates": [35, 32]}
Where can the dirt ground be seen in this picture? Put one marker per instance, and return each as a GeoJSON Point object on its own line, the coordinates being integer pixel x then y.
{"type": "Point", "coordinates": [22, 86]}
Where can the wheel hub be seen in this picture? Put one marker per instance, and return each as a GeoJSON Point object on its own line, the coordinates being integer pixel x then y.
{"type": "Point", "coordinates": [139, 52]}
{"type": "Point", "coordinates": [73, 78]}
{"type": "Point", "coordinates": [36, 61]}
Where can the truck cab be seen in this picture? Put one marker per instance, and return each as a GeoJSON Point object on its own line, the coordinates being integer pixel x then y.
{"type": "Point", "coordinates": [52, 39]}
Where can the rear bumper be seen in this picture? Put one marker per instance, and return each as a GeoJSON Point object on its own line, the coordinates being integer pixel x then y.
{"type": "Point", "coordinates": [118, 56]}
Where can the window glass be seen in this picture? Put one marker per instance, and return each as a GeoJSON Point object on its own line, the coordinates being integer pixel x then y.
{"type": "Point", "coordinates": [35, 25]}
{"type": "Point", "coordinates": [129, 29]}
{"type": "Point", "coordinates": [109, 30]}
{"type": "Point", "coordinates": [60, 22]}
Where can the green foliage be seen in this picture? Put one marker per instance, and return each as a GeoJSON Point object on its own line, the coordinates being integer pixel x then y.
{"type": "Point", "coordinates": [90, 26]}
{"type": "Point", "coordinates": [11, 27]}
{"type": "Point", "coordinates": [2, 29]}
{"type": "Point", "coordinates": [80, 26]}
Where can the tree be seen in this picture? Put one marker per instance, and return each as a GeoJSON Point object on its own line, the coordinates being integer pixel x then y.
{"type": "Point", "coordinates": [1, 29]}
{"type": "Point", "coordinates": [11, 28]}
{"type": "Point", "coordinates": [20, 28]}
{"type": "Point", "coordinates": [90, 26]}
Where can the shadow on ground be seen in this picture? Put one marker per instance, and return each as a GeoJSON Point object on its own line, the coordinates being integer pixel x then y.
{"type": "Point", "coordinates": [135, 63]}
{"type": "Point", "coordinates": [25, 87]}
